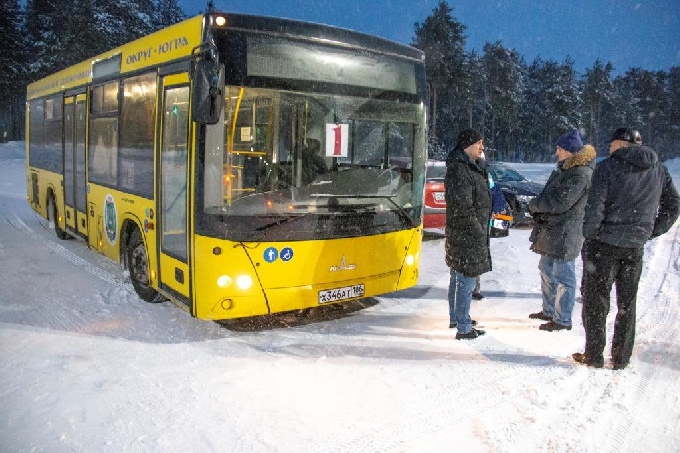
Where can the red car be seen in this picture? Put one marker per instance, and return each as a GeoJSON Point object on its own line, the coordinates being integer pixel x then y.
{"type": "Point", "coordinates": [435, 203]}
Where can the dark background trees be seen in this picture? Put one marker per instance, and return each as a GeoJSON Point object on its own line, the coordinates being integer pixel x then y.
{"type": "Point", "coordinates": [12, 71]}
{"type": "Point", "coordinates": [520, 107]}
{"type": "Point", "coordinates": [48, 35]}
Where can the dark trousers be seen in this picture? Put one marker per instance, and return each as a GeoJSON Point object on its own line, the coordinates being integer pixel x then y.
{"type": "Point", "coordinates": [604, 265]}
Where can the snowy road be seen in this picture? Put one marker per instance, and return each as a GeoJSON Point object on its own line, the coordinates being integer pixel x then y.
{"type": "Point", "coordinates": [85, 365]}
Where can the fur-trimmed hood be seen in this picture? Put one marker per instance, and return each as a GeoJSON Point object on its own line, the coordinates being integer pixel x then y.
{"type": "Point", "coordinates": [583, 157]}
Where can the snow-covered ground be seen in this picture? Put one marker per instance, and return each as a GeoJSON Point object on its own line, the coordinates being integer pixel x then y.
{"type": "Point", "coordinates": [86, 366]}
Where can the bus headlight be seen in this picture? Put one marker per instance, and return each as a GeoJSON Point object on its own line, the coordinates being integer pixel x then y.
{"type": "Point", "coordinates": [410, 259]}
{"type": "Point", "coordinates": [244, 282]}
{"type": "Point", "coordinates": [224, 281]}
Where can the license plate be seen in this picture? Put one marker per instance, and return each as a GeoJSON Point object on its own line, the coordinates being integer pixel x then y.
{"type": "Point", "coordinates": [439, 196]}
{"type": "Point", "coordinates": [334, 295]}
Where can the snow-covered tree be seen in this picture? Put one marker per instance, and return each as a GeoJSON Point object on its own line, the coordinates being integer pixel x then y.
{"type": "Point", "coordinates": [81, 36]}
{"type": "Point", "coordinates": [44, 37]}
{"type": "Point", "coordinates": [124, 20]}
{"type": "Point", "coordinates": [12, 70]}
{"type": "Point", "coordinates": [505, 81]}
{"type": "Point", "coordinates": [554, 104]}
{"type": "Point", "coordinates": [598, 98]}
{"type": "Point", "coordinates": [474, 91]}
{"type": "Point", "coordinates": [674, 110]}
{"type": "Point", "coordinates": [166, 13]}
{"type": "Point", "coordinates": [643, 102]}
{"type": "Point", "coordinates": [11, 57]}
{"type": "Point", "coordinates": [442, 39]}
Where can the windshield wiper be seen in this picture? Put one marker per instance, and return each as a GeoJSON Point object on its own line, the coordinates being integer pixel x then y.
{"type": "Point", "coordinates": [281, 221]}
{"type": "Point", "coordinates": [402, 212]}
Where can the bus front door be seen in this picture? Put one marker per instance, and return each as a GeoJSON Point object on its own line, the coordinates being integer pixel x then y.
{"type": "Point", "coordinates": [173, 209]}
{"type": "Point", "coordinates": [75, 195]}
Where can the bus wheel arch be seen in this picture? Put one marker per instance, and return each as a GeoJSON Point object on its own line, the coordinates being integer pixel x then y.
{"type": "Point", "coordinates": [53, 215]}
{"type": "Point", "coordinates": [136, 261]}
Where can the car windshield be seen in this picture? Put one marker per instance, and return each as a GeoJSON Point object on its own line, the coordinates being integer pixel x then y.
{"type": "Point", "coordinates": [435, 171]}
{"type": "Point", "coordinates": [501, 173]}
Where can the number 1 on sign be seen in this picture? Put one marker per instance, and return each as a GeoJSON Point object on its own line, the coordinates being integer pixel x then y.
{"type": "Point", "coordinates": [336, 140]}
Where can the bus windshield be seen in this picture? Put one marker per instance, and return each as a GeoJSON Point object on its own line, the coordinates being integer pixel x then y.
{"type": "Point", "coordinates": [330, 136]}
{"type": "Point", "coordinates": [344, 160]}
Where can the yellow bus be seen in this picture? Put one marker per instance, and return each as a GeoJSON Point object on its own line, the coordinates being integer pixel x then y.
{"type": "Point", "coordinates": [238, 165]}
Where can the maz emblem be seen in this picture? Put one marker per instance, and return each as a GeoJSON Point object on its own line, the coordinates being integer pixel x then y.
{"type": "Point", "coordinates": [343, 266]}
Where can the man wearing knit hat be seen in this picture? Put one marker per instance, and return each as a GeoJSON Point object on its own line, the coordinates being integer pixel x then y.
{"type": "Point", "coordinates": [468, 210]}
{"type": "Point", "coordinates": [632, 200]}
{"type": "Point", "coordinates": [558, 216]}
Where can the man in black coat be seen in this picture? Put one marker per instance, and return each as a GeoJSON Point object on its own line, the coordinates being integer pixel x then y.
{"type": "Point", "coordinates": [558, 217]}
{"type": "Point", "coordinates": [632, 199]}
{"type": "Point", "coordinates": [468, 211]}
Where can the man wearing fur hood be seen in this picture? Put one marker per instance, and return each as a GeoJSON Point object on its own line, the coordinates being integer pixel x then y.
{"type": "Point", "coordinates": [557, 234]}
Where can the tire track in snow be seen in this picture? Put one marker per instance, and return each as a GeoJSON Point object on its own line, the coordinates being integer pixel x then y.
{"type": "Point", "coordinates": [60, 309]}
{"type": "Point", "coordinates": [71, 257]}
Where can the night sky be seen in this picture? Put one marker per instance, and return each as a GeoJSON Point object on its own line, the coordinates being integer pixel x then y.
{"type": "Point", "coordinates": [643, 34]}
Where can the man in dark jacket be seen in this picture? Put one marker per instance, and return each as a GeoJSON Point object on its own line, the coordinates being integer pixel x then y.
{"type": "Point", "coordinates": [558, 217]}
{"type": "Point", "coordinates": [632, 200]}
{"type": "Point", "coordinates": [468, 210]}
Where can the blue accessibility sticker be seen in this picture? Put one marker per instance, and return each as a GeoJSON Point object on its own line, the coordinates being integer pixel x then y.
{"type": "Point", "coordinates": [286, 254]}
{"type": "Point", "coordinates": [271, 254]}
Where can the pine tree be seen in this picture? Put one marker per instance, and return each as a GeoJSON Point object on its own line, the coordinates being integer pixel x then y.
{"type": "Point", "coordinates": [474, 91]}
{"type": "Point", "coordinates": [44, 41]}
{"type": "Point", "coordinates": [598, 95]}
{"type": "Point", "coordinates": [505, 79]}
{"type": "Point", "coordinates": [11, 57]}
{"type": "Point", "coordinates": [673, 90]}
{"type": "Point", "coordinates": [12, 71]}
{"type": "Point", "coordinates": [554, 104]}
{"type": "Point", "coordinates": [80, 36]}
{"type": "Point", "coordinates": [442, 39]}
{"type": "Point", "coordinates": [123, 21]}
{"type": "Point", "coordinates": [166, 13]}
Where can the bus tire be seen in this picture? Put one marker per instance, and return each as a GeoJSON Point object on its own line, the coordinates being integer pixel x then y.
{"type": "Point", "coordinates": [53, 217]}
{"type": "Point", "coordinates": [138, 266]}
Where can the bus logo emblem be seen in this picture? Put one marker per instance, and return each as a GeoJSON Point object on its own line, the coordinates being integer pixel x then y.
{"type": "Point", "coordinates": [110, 219]}
{"type": "Point", "coordinates": [343, 266]}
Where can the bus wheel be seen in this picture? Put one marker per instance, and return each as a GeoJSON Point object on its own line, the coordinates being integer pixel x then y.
{"type": "Point", "coordinates": [53, 218]}
{"type": "Point", "coordinates": [138, 265]}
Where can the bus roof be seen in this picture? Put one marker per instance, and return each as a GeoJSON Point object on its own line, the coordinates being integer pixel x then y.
{"type": "Point", "coordinates": [169, 44]}
{"type": "Point", "coordinates": [177, 42]}
{"type": "Point", "coordinates": [320, 32]}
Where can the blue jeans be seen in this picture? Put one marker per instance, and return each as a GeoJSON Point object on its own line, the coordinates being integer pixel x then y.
{"type": "Point", "coordinates": [460, 296]}
{"type": "Point", "coordinates": [558, 285]}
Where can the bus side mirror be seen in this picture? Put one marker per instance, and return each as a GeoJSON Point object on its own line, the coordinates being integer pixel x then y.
{"type": "Point", "coordinates": [208, 97]}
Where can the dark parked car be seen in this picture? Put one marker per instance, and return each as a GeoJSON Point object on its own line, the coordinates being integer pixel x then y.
{"type": "Point", "coordinates": [518, 191]}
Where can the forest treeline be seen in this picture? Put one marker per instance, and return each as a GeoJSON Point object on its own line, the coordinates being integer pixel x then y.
{"type": "Point", "coordinates": [45, 36]}
{"type": "Point", "coordinates": [522, 108]}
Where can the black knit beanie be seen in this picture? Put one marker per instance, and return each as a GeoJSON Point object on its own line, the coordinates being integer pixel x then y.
{"type": "Point", "coordinates": [468, 137]}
